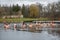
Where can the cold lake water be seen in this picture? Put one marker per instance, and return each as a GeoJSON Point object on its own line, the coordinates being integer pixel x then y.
{"type": "Point", "coordinates": [25, 35]}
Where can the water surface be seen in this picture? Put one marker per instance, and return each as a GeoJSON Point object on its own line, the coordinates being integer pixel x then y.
{"type": "Point", "coordinates": [24, 35]}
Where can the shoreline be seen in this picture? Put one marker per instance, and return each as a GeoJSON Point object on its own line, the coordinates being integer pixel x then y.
{"type": "Point", "coordinates": [17, 20]}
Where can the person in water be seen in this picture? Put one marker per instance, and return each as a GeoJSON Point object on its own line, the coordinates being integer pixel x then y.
{"type": "Point", "coordinates": [52, 24]}
{"type": "Point", "coordinates": [15, 26]}
{"type": "Point", "coordinates": [23, 25]}
{"type": "Point", "coordinates": [6, 26]}
{"type": "Point", "coordinates": [30, 25]}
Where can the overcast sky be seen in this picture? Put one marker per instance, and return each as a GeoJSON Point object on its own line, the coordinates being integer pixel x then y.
{"type": "Point", "coordinates": [26, 2]}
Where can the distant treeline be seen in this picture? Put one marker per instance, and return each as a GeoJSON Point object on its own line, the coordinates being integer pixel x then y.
{"type": "Point", "coordinates": [37, 10]}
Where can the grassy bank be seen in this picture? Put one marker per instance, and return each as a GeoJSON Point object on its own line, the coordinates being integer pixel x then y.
{"type": "Point", "coordinates": [23, 19]}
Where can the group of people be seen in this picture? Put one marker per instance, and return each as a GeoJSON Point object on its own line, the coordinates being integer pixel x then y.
{"type": "Point", "coordinates": [31, 25]}
{"type": "Point", "coordinates": [7, 26]}
{"type": "Point", "coordinates": [40, 25]}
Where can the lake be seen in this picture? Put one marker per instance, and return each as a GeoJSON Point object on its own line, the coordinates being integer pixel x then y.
{"type": "Point", "coordinates": [25, 35]}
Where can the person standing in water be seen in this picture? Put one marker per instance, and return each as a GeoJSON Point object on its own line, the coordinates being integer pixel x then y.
{"type": "Point", "coordinates": [23, 25]}
{"type": "Point", "coordinates": [15, 26]}
{"type": "Point", "coordinates": [6, 26]}
{"type": "Point", "coordinates": [52, 24]}
{"type": "Point", "coordinates": [31, 27]}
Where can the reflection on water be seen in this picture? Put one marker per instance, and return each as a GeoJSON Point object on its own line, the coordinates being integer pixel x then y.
{"type": "Point", "coordinates": [24, 35]}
